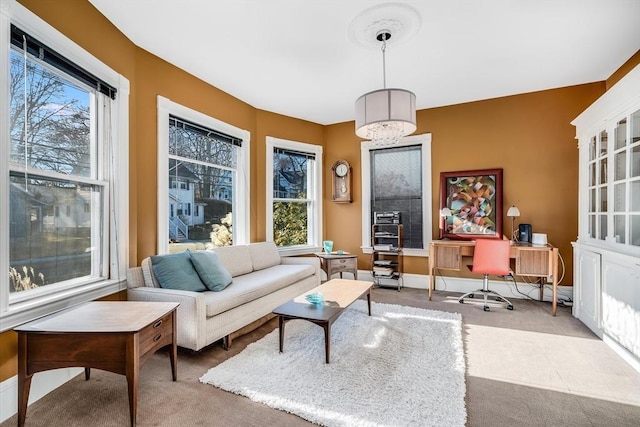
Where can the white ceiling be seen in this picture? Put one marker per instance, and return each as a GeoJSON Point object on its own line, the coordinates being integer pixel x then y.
{"type": "Point", "coordinates": [295, 57]}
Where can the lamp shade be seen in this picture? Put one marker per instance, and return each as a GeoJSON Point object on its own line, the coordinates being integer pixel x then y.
{"type": "Point", "coordinates": [386, 115]}
{"type": "Point", "coordinates": [513, 211]}
{"type": "Point", "coordinates": [445, 212]}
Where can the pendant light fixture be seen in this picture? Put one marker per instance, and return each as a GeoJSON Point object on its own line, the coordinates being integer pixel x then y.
{"type": "Point", "coordinates": [385, 116]}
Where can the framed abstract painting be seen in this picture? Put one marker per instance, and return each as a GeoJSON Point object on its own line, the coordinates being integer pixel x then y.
{"type": "Point", "coordinates": [471, 204]}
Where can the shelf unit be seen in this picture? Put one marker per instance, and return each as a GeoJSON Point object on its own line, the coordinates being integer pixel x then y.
{"type": "Point", "coordinates": [606, 255]}
{"type": "Point", "coordinates": [386, 255]}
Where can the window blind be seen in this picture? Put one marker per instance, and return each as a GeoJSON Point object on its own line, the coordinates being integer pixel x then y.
{"type": "Point", "coordinates": [199, 129]}
{"type": "Point", "coordinates": [44, 53]}
{"type": "Point", "coordinates": [308, 156]}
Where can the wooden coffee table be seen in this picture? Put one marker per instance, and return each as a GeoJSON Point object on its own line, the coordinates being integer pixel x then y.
{"type": "Point", "coordinates": [116, 336]}
{"type": "Point", "coordinates": [338, 295]}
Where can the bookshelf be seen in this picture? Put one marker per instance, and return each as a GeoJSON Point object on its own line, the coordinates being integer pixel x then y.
{"type": "Point", "coordinates": [386, 255]}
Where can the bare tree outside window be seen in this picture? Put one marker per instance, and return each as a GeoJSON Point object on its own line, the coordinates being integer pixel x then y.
{"type": "Point", "coordinates": [48, 157]}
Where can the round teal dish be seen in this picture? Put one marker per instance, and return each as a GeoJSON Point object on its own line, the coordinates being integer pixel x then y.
{"type": "Point", "coordinates": [315, 298]}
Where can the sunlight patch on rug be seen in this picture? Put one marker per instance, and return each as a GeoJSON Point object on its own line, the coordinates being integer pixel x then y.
{"type": "Point", "coordinates": [402, 366]}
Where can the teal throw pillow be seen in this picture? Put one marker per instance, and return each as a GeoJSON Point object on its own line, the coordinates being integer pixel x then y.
{"type": "Point", "coordinates": [210, 269]}
{"type": "Point", "coordinates": [175, 271]}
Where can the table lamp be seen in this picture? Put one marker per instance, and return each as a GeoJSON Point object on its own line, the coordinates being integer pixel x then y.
{"type": "Point", "coordinates": [444, 214]}
{"type": "Point", "coordinates": [513, 212]}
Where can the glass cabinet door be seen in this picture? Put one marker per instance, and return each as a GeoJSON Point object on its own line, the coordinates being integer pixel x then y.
{"type": "Point", "coordinates": [598, 191]}
{"type": "Point", "coordinates": [613, 182]}
{"type": "Point", "coordinates": [624, 213]}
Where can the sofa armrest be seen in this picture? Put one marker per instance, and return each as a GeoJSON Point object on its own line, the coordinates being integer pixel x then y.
{"type": "Point", "coordinates": [313, 261]}
{"type": "Point", "coordinates": [135, 278]}
{"type": "Point", "coordinates": [191, 313]}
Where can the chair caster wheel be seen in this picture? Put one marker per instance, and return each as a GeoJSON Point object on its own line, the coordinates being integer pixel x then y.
{"type": "Point", "coordinates": [510, 307]}
{"type": "Point", "coordinates": [470, 295]}
{"type": "Point", "coordinates": [486, 308]}
{"type": "Point", "coordinates": [461, 301]}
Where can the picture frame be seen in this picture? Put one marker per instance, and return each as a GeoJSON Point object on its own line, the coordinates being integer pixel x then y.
{"type": "Point", "coordinates": [471, 204]}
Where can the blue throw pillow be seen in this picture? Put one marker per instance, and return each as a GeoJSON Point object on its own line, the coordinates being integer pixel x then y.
{"type": "Point", "coordinates": [175, 271]}
{"type": "Point", "coordinates": [210, 269]}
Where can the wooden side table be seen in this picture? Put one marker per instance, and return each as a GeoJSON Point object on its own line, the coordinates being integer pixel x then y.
{"type": "Point", "coordinates": [333, 263]}
{"type": "Point", "coordinates": [116, 336]}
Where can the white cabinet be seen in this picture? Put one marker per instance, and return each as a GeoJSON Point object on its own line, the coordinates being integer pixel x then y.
{"type": "Point", "coordinates": [607, 251]}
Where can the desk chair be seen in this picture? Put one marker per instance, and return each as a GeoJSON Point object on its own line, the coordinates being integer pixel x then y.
{"type": "Point", "coordinates": [490, 257]}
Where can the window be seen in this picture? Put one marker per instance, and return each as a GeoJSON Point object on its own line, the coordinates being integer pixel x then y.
{"type": "Point", "coordinates": [294, 195]}
{"type": "Point", "coordinates": [199, 159]}
{"type": "Point", "coordinates": [399, 179]}
{"type": "Point", "coordinates": [65, 207]}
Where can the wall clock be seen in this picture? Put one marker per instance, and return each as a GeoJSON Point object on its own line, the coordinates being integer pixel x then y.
{"type": "Point", "coordinates": [341, 180]}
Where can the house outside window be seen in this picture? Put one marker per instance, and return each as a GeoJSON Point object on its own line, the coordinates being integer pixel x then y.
{"type": "Point", "coordinates": [294, 195]}
{"type": "Point", "coordinates": [399, 179]}
{"type": "Point", "coordinates": [62, 124]}
{"type": "Point", "coordinates": [199, 158]}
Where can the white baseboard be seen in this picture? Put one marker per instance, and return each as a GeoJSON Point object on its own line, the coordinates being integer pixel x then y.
{"type": "Point", "coordinates": [628, 356]}
{"type": "Point", "coordinates": [41, 384]}
{"type": "Point", "coordinates": [463, 285]}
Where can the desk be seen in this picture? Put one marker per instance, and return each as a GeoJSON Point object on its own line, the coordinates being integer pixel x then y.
{"type": "Point", "coordinates": [333, 263]}
{"type": "Point", "coordinates": [116, 336]}
{"type": "Point", "coordinates": [533, 261]}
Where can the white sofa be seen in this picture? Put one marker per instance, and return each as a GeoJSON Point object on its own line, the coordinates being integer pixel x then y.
{"type": "Point", "coordinates": [262, 280]}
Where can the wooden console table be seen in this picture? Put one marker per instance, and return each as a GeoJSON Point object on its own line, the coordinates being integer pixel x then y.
{"type": "Point", "coordinates": [533, 261]}
{"type": "Point", "coordinates": [116, 336]}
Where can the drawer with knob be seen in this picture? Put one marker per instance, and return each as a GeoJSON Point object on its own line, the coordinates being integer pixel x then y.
{"type": "Point", "coordinates": [156, 335]}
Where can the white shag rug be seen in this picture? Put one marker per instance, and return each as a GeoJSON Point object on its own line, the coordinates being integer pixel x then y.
{"type": "Point", "coordinates": [402, 366]}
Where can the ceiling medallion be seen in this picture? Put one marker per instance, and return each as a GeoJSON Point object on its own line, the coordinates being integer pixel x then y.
{"type": "Point", "coordinates": [399, 19]}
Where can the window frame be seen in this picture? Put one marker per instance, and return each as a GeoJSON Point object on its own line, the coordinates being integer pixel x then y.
{"type": "Point", "coordinates": [424, 140]}
{"type": "Point", "coordinates": [314, 229]}
{"type": "Point", "coordinates": [241, 196]}
{"type": "Point", "coordinates": [115, 259]}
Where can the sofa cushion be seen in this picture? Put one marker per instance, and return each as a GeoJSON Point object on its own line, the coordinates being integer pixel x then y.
{"type": "Point", "coordinates": [175, 271]}
{"type": "Point", "coordinates": [236, 259]}
{"type": "Point", "coordinates": [264, 255]}
{"type": "Point", "coordinates": [249, 287]}
{"type": "Point", "coordinates": [211, 271]}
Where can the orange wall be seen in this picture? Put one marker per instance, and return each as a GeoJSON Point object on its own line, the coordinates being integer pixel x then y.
{"type": "Point", "coordinates": [277, 126]}
{"type": "Point", "coordinates": [157, 77]}
{"type": "Point", "coordinates": [528, 135]}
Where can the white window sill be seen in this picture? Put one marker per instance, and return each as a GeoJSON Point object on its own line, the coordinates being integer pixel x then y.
{"type": "Point", "coordinates": [299, 250]}
{"type": "Point", "coordinates": [31, 309]}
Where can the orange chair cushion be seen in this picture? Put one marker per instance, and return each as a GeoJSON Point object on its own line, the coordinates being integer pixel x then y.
{"type": "Point", "coordinates": [491, 257]}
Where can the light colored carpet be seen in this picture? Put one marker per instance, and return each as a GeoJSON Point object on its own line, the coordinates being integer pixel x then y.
{"type": "Point", "coordinates": [403, 366]}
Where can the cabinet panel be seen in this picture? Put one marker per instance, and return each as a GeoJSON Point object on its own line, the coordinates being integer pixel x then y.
{"type": "Point", "coordinates": [447, 257]}
{"type": "Point", "coordinates": [621, 302]}
{"type": "Point", "coordinates": [532, 263]}
{"type": "Point", "coordinates": [588, 289]}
